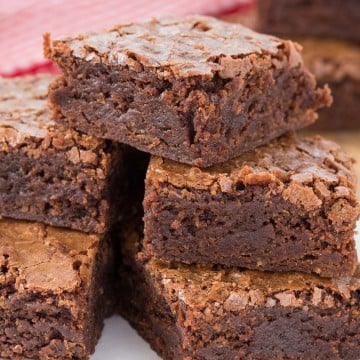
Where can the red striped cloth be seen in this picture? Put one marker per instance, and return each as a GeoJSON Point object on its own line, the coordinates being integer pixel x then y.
{"type": "Point", "coordinates": [22, 23]}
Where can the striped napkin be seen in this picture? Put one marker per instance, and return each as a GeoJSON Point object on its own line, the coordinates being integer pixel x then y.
{"type": "Point", "coordinates": [22, 23]}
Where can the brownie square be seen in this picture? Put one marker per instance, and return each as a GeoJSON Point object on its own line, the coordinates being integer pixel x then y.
{"type": "Point", "coordinates": [322, 18]}
{"type": "Point", "coordinates": [336, 63]}
{"type": "Point", "coordinates": [54, 290]}
{"type": "Point", "coordinates": [196, 90]}
{"type": "Point", "coordinates": [194, 312]}
{"type": "Point", "coordinates": [52, 174]}
{"type": "Point", "coordinates": [289, 205]}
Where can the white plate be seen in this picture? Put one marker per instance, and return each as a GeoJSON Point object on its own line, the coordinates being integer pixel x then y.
{"type": "Point", "coordinates": [120, 342]}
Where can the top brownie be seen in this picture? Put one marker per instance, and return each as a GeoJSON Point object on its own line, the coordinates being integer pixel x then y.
{"type": "Point", "coordinates": [323, 18]}
{"type": "Point", "coordinates": [196, 90]}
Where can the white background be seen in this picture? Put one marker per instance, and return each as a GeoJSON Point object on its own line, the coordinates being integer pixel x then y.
{"type": "Point", "coordinates": [120, 342]}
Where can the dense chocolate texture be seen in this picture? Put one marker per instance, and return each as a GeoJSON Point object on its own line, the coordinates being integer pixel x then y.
{"type": "Point", "coordinates": [190, 312]}
{"type": "Point", "coordinates": [51, 174]}
{"type": "Point", "coordinates": [288, 205]}
{"type": "Point", "coordinates": [324, 18]}
{"type": "Point", "coordinates": [336, 63]}
{"type": "Point", "coordinates": [54, 290]}
{"type": "Point", "coordinates": [196, 90]}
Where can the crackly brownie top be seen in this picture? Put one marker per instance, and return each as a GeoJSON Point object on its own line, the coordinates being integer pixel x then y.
{"type": "Point", "coordinates": [217, 290]}
{"type": "Point", "coordinates": [306, 170]}
{"type": "Point", "coordinates": [23, 110]}
{"type": "Point", "coordinates": [331, 60]}
{"type": "Point", "coordinates": [25, 123]}
{"type": "Point", "coordinates": [45, 258]}
{"type": "Point", "coordinates": [195, 45]}
{"type": "Point", "coordinates": [201, 286]}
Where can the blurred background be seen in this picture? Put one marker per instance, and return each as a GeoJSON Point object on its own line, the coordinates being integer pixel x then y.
{"type": "Point", "coordinates": [329, 32]}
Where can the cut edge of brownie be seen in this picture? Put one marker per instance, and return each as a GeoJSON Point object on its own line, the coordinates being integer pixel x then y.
{"type": "Point", "coordinates": [294, 195]}
{"type": "Point", "coordinates": [258, 95]}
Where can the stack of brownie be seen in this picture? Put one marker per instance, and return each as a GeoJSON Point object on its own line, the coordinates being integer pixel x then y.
{"type": "Point", "coordinates": [56, 267]}
{"type": "Point", "coordinates": [246, 247]}
{"type": "Point", "coordinates": [329, 31]}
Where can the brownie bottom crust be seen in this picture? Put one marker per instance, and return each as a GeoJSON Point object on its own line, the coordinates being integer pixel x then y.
{"type": "Point", "coordinates": [192, 312]}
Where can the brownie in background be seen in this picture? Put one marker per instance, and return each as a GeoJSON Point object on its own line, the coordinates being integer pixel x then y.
{"type": "Point", "coordinates": [286, 206]}
{"type": "Point", "coordinates": [52, 174]}
{"type": "Point", "coordinates": [319, 18]}
{"type": "Point", "coordinates": [329, 31]}
{"type": "Point", "coordinates": [336, 63]}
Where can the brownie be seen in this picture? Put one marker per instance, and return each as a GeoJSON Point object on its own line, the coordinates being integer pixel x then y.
{"type": "Point", "coordinates": [196, 89]}
{"type": "Point", "coordinates": [321, 18]}
{"type": "Point", "coordinates": [336, 63]}
{"type": "Point", "coordinates": [195, 312]}
{"type": "Point", "coordinates": [49, 173]}
{"type": "Point", "coordinates": [54, 290]}
{"type": "Point", "coordinates": [288, 205]}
